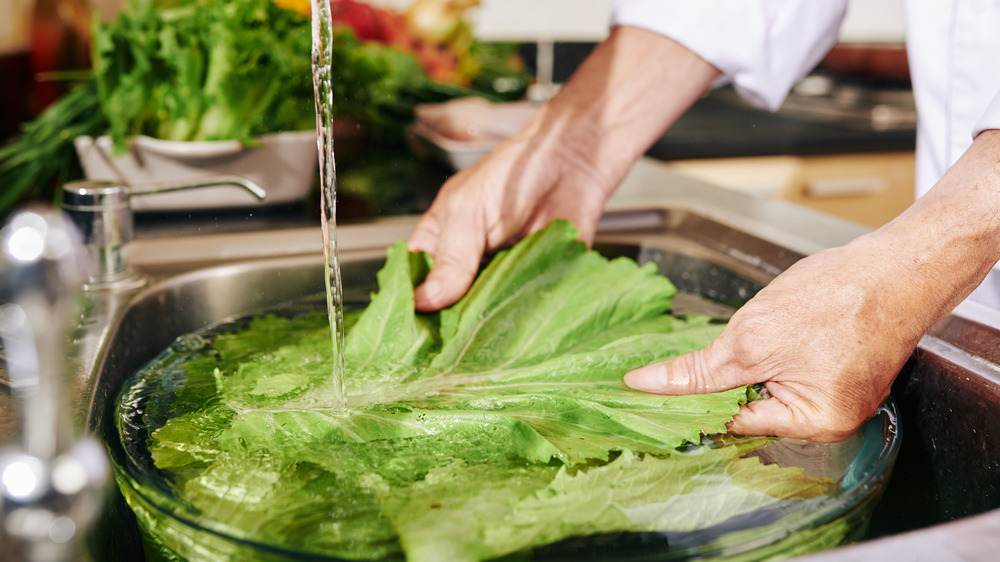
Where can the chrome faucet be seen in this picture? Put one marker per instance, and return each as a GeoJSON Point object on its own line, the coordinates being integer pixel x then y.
{"type": "Point", "coordinates": [51, 479]}
{"type": "Point", "coordinates": [103, 213]}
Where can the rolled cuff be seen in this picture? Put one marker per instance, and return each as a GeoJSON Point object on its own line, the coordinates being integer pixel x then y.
{"type": "Point", "coordinates": [763, 47]}
{"type": "Point", "coordinates": [990, 119]}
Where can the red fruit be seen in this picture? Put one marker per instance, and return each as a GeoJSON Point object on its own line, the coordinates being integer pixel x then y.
{"type": "Point", "coordinates": [393, 30]}
{"type": "Point", "coordinates": [359, 16]}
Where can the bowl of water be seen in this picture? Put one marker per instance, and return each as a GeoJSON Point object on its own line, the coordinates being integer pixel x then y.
{"type": "Point", "coordinates": [737, 497]}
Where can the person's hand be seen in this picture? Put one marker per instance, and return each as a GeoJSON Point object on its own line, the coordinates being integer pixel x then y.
{"type": "Point", "coordinates": [819, 337]}
{"type": "Point", "coordinates": [828, 336]}
{"type": "Point", "coordinates": [518, 188]}
{"type": "Point", "coordinates": [567, 161]}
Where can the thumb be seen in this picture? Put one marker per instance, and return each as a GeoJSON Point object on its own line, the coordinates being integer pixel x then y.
{"type": "Point", "coordinates": [697, 372]}
{"type": "Point", "coordinates": [706, 371]}
{"type": "Point", "coordinates": [456, 261]}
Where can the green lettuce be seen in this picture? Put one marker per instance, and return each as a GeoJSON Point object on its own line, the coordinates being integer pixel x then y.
{"type": "Point", "coordinates": [201, 70]}
{"type": "Point", "coordinates": [496, 426]}
{"type": "Point", "coordinates": [187, 70]}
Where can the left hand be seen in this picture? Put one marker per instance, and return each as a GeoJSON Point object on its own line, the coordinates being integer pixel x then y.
{"type": "Point", "coordinates": [823, 338]}
{"type": "Point", "coordinates": [828, 336]}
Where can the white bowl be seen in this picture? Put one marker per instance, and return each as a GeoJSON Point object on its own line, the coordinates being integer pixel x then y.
{"type": "Point", "coordinates": [458, 155]}
{"type": "Point", "coordinates": [284, 164]}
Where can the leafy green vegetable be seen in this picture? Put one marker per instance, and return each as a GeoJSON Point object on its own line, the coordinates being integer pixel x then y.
{"type": "Point", "coordinates": [500, 70]}
{"type": "Point", "coordinates": [235, 70]}
{"type": "Point", "coordinates": [204, 70]}
{"type": "Point", "coordinates": [195, 70]}
{"type": "Point", "coordinates": [43, 158]}
{"type": "Point", "coordinates": [499, 425]}
{"type": "Point", "coordinates": [381, 85]}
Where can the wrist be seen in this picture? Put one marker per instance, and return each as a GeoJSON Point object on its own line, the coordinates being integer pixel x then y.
{"type": "Point", "coordinates": [625, 95]}
{"type": "Point", "coordinates": [939, 250]}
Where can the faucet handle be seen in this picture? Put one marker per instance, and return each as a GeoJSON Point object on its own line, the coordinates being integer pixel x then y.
{"type": "Point", "coordinates": [50, 481]}
{"type": "Point", "coordinates": [103, 213]}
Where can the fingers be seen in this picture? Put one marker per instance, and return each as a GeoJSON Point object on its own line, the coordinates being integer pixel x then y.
{"type": "Point", "coordinates": [425, 236]}
{"type": "Point", "coordinates": [768, 417]}
{"type": "Point", "coordinates": [774, 417]}
{"type": "Point", "coordinates": [457, 251]}
{"type": "Point", "coordinates": [700, 372]}
{"type": "Point", "coordinates": [574, 202]}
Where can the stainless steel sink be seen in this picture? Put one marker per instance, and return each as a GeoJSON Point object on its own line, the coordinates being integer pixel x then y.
{"type": "Point", "coordinates": [710, 242]}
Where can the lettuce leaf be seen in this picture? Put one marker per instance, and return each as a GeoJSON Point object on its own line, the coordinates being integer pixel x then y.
{"type": "Point", "coordinates": [498, 425]}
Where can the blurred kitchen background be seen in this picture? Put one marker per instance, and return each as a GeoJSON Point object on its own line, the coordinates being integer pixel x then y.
{"type": "Point", "coordinates": [842, 143]}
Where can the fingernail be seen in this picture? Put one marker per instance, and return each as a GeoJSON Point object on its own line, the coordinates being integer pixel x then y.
{"type": "Point", "coordinates": [647, 379]}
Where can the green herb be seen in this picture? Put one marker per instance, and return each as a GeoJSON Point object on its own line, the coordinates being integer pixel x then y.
{"type": "Point", "coordinates": [43, 158]}
{"type": "Point", "coordinates": [499, 425]}
{"type": "Point", "coordinates": [236, 70]}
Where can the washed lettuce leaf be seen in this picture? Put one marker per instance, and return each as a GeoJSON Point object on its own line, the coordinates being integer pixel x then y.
{"type": "Point", "coordinates": [498, 425]}
{"type": "Point", "coordinates": [678, 493]}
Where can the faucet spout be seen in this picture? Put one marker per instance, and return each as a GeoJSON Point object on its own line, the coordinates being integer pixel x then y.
{"type": "Point", "coordinates": [50, 480]}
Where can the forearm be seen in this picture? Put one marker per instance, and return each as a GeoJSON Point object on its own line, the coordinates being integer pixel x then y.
{"type": "Point", "coordinates": [942, 247]}
{"type": "Point", "coordinates": [622, 98]}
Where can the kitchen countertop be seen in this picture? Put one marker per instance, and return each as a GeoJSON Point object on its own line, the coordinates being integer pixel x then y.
{"type": "Point", "coordinates": [719, 125]}
{"type": "Point", "coordinates": [651, 184]}
{"type": "Point", "coordinates": [389, 180]}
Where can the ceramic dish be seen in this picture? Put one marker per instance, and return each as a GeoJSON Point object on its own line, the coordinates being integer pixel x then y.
{"type": "Point", "coordinates": [284, 164]}
{"type": "Point", "coordinates": [458, 155]}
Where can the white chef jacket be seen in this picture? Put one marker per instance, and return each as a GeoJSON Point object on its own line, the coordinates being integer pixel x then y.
{"type": "Point", "coordinates": [763, 47]}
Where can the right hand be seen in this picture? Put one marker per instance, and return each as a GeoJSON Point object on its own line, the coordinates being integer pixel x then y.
{"type": "Point", "coordinates": [515, 190]}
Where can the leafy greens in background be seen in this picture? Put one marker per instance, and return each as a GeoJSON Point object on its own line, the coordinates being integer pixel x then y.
{"type": "Point", "coordinates": [498, 425]}
{"type": "Point", "coordinates": [204, 70]}
{"type": "Point", "coordinates": [193, 70]}
{"type": "Point", "coordinates": [43, 158]}
{"type": "Point", "coordinates": [215, 70]}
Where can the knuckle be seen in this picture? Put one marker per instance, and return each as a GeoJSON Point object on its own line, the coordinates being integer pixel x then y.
{"type": "Point", "coordinates": [748, 350]}
{"type": "Point", "coordinates": [704, 377]}
{"type": "Point", "coordinates": [697, 373]}
{"type": "Point", "coordinates": [687, 373]}
{"type": "Point", "coordinates": [451, 267]}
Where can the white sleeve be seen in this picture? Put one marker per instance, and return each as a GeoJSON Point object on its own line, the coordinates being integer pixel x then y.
{"type": "Point", "coordinates": [763, 47]}
{"type": "Point", "coordinates": [990, 119]}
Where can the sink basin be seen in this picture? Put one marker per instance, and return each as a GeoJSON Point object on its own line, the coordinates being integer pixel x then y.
{"type": "Point", "coordinates": [703, 257]}
{"type": "Point", "coordinates": [709, 262]}
{"type": "Point", "coordinates": [945, 492]}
